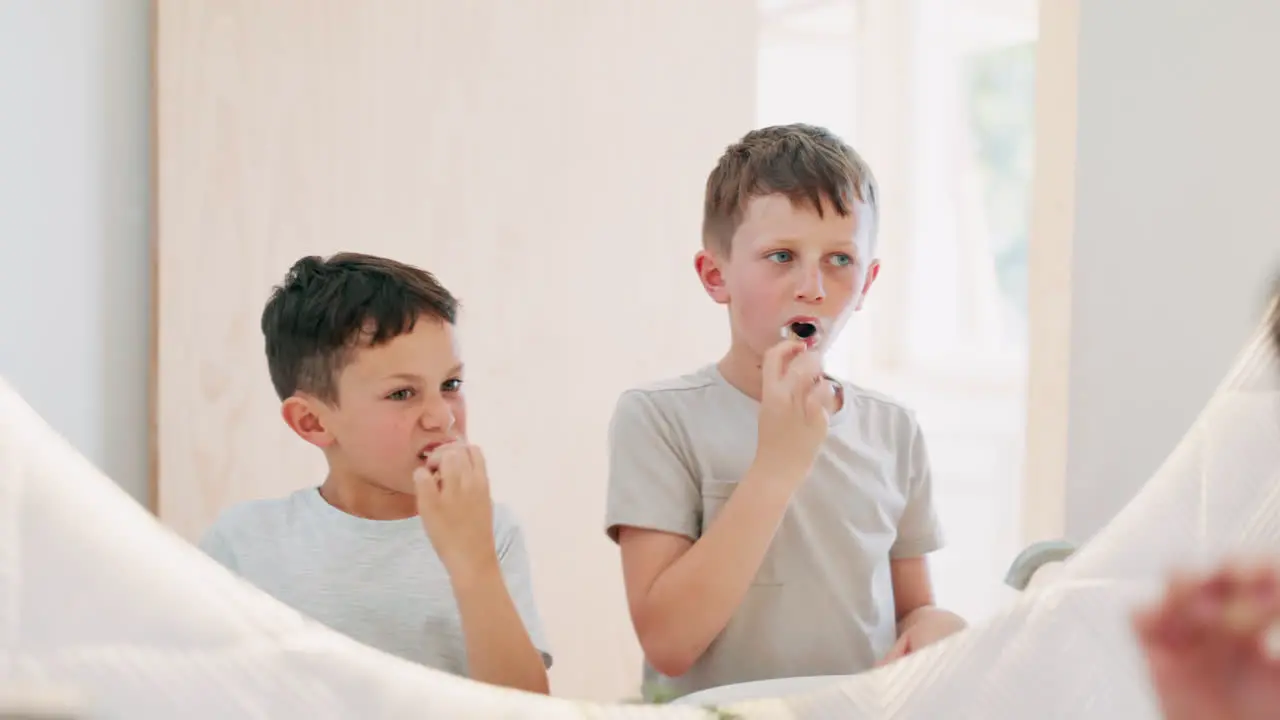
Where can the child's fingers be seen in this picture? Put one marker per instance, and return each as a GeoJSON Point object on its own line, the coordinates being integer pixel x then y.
{"type": "Point", "coordinates": [1180, 616]}
{"type": "Point", "coordinates": [803, 376]}
{"type": "Point", "coordinates": [778, 358]}
{"type": "Point", "coordinates": [437, 456]}
{"type": "Point", "coordinates": [1239, 577]}
{"type": "Point", "coordinates": [818, 400]}
{"type": "Point", "coordinates": [1259, 580]}
{"type": "Point", "coordinates": [433, 461]}
{"type": "Point", "coordinates": [454, 467]}
{"type": "Point", "coordinates": [479, 472]}
{"type": "Point", "coordinates": [423, 480]}
{"type": "Point", "coordinates": [1235, 600]}
{"type": "Point", "coordinates": [1217, 620]}
{"type": "Point", "coordinates": [1243, 617]}
{"type": "Point", "coordinates": [1269, 646]}
{"type": "Point", "coordinates": [1194, 602]}
{"type": "Point", "coordinates": [1251, 609]}
{"type": "Point", "coordinates": [899, 649]}
{"type": "Point", "coordinates": [426, 488]}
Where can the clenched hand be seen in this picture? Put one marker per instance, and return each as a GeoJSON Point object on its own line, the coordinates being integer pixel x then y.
{"type": "Point", "coordinates": [455, 507]}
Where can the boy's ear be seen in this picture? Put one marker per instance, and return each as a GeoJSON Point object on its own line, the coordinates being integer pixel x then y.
{"type": "Point", "coordinates": [873, 272]}
{"type": "Point", "coordinates": [709, 272]}
{"type": "Point", "coordinates": [305, 416]}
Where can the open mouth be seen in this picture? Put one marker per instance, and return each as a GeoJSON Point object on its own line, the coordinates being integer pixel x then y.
{"type": "Point", "coordinates": [430, 448]}
{"type": "Point", "coordinates": [802, 330]}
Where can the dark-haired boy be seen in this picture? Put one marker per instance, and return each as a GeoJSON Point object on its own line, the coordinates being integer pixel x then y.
{"type": "Point", "coordinates": [363, 356]}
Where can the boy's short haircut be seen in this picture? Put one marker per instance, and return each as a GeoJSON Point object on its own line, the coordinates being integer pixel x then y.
{"type": "Point", "coordinates": [325, 309]}
{"type": "Point", "coordinates": [804, 162]}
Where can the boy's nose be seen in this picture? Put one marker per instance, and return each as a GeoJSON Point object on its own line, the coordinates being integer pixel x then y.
{"type": "Point", "coordinates": [437, 416]}
{"type": "Point", "coordinates": [810, 286]}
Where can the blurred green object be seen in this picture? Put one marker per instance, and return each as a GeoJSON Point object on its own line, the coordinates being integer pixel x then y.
{"type": "Point", "coordinates": [1036, 556]}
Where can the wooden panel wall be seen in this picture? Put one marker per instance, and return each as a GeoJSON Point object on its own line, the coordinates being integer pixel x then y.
{"type": "Point", "coordinates": [545, 158]}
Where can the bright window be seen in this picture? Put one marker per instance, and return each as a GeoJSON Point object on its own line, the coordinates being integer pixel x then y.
{"type": "Point", "coordinates": [938, 95]}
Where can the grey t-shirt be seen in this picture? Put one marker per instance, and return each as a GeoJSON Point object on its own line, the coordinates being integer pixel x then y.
{"type": "Point", "coordinates": [379, 582]}
{"type": "Point", "coordinates": [822, 602]}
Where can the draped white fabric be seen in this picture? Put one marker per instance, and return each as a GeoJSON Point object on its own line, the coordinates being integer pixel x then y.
{"type": "Point", "coordinates": [99, 600]}
{"type": "Point", "coordinates": [1065, 649]}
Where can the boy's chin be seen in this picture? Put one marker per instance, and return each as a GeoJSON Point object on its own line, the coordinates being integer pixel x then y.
{"type": "Point", "coordinates": [396, 486]}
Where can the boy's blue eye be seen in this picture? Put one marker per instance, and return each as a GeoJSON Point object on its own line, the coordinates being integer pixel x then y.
{"type": "Point", "coordinates": [400, 395]}
{"type": "Point", "coordinates": [453, 385]}
{"type": "Point", "coordinates": [841, 260]}
{"type": "Point", "coordinates": [780, 256]}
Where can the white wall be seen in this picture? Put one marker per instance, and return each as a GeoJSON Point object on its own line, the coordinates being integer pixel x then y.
{"type": "Point", "coordinates": [74, 215]}
{"type": "Point", "coordinates": [1176, 233]}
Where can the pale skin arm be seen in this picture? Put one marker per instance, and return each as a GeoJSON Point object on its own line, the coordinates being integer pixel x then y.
{"type": "Point", "coordinates": [912, 588]}
{"type": "Point", "coordinates": [453, 501]}
{"type": "Point", "coordinates": [920, 621]}
{"type": "Point", "coordinates": [681, 593]}
{"type": "Point", "coordinates": [499, 649]}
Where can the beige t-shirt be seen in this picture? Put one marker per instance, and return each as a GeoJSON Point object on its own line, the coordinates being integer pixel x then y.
{"type": "Point", "coordinates": [822, 602]}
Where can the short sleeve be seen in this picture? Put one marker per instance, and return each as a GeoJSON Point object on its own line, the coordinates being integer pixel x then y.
{"type": "Point", "coordinates": [214, 544]}
{"type": "Point", "coordinates": [514, 560]}
{"type": "Point", "coordinates": [919, 530]}
{"type": "Point", "coordinates": [650, 484]}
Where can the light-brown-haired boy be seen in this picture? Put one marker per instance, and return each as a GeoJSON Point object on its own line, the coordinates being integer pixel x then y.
{"type": "Point", "coordinates": [774, 521]}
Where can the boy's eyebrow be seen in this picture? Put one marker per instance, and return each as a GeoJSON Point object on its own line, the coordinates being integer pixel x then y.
{"type": "Point", "coordinates": [786, 241]}
{"type": "Point", "coordinates": [409, 377]}
{"type": "Point", "coordinates": [412, 377]}
{"type": "Point", "coordinates": [842, 243]}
